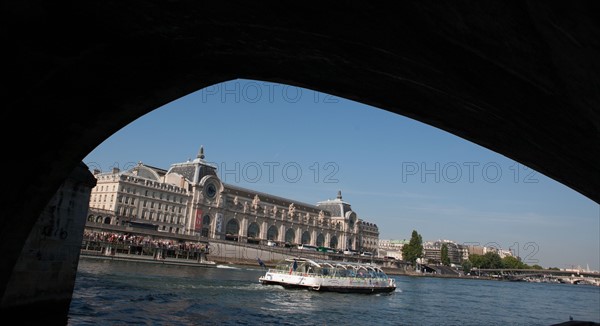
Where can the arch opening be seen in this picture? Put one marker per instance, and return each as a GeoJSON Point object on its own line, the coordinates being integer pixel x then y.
{"type": "Point", "coordinates": [464, 88]}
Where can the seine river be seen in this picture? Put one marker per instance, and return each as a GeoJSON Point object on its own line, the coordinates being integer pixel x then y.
{"type": "Point", "coordinates": [123, 293]}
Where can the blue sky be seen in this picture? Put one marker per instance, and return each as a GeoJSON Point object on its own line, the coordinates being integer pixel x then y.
{"type": "Point", "coordinates": [401, 174]}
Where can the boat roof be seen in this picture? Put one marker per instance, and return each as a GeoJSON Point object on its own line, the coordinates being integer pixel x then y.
{"type": "Point", "coordinates": [335, 264]}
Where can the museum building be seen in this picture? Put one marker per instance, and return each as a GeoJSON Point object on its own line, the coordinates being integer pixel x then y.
{"type": "Point", "coordinates": [190, 199]}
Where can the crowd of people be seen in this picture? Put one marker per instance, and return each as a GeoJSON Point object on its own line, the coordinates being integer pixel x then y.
{"type": "Point", "coordinates": [143, 244]}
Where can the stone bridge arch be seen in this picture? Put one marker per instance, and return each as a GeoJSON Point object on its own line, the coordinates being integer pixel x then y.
{"type": "Point", "coordinates": [525, 88]}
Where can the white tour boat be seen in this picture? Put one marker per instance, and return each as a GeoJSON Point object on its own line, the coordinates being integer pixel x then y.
{"type": "Point", "coordinates": [326, 275]}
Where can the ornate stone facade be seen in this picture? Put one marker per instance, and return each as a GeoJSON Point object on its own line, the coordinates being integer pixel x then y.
{"type": "Point", "coordinates": [190, 199]}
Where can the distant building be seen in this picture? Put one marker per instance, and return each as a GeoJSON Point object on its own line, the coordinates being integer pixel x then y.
{"type": "Point", "coordinates": [475, 250]}
{"type": "Point", "coordinates": [433, 251]}
{"type": "Point", "coordinates": [190, 199]}
{"type": "Point", "coordinates": [482, 250]}
{"type": "Point", "coordinates": [391, 248]}
{"type": "Point", "coordinates": [504, 253]}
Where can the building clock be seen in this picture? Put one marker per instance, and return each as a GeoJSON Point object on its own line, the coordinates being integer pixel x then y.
{"type": "Point", "coordinates": [211, 190]}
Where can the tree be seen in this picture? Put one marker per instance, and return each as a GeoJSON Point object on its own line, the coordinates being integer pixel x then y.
{"type": "Point", "coordinates": [512, 263]}
{"type": "Point", "coordinates": [492, 260]}
{"type": "Point", "coordinates": [476, 261]}
{"type": "Point", "coordinates": [445, 258]}
{"type": "Point", "coordinates": [489, 260]}
{"type": "Point", "coordinates": [414, 248]}
{"type": "Point", "coordinates": [467, 266]}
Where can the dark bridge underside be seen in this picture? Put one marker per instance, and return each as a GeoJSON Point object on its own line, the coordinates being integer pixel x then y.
{"type": "Point", "coordinates": [521, 78]}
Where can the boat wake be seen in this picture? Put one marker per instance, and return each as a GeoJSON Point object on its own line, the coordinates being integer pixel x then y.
{"type": "Point", "coordinates": [227, 267]}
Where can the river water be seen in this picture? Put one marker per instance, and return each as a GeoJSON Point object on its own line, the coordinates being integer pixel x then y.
{"type": "Point", "coordinates": [125, 293]}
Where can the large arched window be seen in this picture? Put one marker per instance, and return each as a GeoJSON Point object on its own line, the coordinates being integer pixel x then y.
{"type": "Point", "coordinates": [290, 236]}
{"type": "Point", "coordinates": [306, 237]}
{"type": "Point", "coordinates": [333, 243]}
{"type": "Point", "coordinates": [232, 230]}
{"type": "Point", "coordinates": [272, 233]}
{"type": "Point", "coordinates": [205, 225]}
{"type": "Point", "coordinates": [350, 243]}
{"type": "Point", "coordinates": [253, 233]}
{"type": "Point", "coordinates": [320, 240]}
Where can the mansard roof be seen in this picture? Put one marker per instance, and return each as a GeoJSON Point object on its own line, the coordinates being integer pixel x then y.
{"type": "Point", "coordinates": [160, 171]}
{"type": "Point", "coordinates": [147, 172]}
{"type": "Point", "coordinates": [193, 170]}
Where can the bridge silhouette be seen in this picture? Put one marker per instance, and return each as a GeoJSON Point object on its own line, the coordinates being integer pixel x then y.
{"type": "Point", "coordinates": [536, 271]}
{"type": "Point", "coordinates": [478, 70]}
{"type": "Point", "coordinates": [563, 276]}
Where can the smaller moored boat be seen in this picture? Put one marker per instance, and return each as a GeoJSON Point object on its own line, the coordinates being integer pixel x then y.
{"type": "Point", "coordinates": [331, 276]}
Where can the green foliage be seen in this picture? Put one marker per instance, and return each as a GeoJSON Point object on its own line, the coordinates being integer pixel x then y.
{"type": "Point", "coordinates": [445, 258]}
{"type": "Point", "coordinates": [492, 260]}
{"type": "Point", "coordinates": [414, 248]}
{"type": "Point", "coordinates": [512, 263]}
{"type": "Point", "coordinates": [476, 260]}
{"type": "Point", "coordinates": [467, 266]}
{"type": "Point", "coordinates": [489, 260]}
